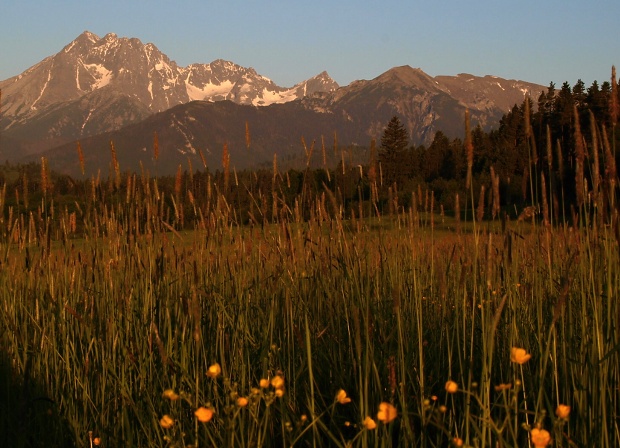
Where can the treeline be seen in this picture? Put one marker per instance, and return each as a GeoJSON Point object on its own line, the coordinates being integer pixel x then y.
{"type": "Point", "coordinates": [552, 158]}
{"type": "Point", "coordinates": [568, 137]}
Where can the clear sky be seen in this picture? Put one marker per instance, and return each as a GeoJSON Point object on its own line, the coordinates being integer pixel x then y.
{"type": "Point", "coordinates": [289, 41]}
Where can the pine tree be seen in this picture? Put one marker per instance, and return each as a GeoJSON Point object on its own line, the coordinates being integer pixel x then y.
{"type": "Point", "coordinates": [393, 151]}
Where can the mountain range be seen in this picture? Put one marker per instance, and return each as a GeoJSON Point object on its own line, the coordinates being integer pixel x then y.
{"type": "Point", "coordinates": [97, 90]}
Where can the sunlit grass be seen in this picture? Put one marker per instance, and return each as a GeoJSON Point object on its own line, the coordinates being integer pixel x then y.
{"type": "Point", "coordinates": [152, 314]}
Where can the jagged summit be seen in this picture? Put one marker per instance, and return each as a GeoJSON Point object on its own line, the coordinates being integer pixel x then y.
{"type": "Point", "coordinates": [98, 89]}
{"type": "Point", "coordinates": [142, 71]}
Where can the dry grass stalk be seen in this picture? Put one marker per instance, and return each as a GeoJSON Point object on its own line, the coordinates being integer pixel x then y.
{"type": "Point", "coordinates": [372, 163]}
{"type": "Point", "coordinates": [480, 209]}
{"type": "Point", "coordinates": [226, 165]}
{"type": "Point", "coordinates": [469, 148]}
{"type": "Point", "coordinates": [129, 188]}
{"type": "Point", "coordinates": [155, 146]}
{"type": "Point", "coordinates": [308, 151]}
{"type": "Point", "coordinates": [495, 191]}
{"type": "Point", "coordinates": [432, 209]}
{"type": "Point", "coordinates": [72, 222]}
{"type": "Point", "coordinates": [45, 178]}
{"type": "Point", "coordinates": [25, 189]}
{"type": "Point", "coordinates": [545, 203]}
{"type": "Point", "coordinates": [610, 168]}
{"type": "Point", "coordinates": [80, 156]}
{"type": "Point", "coordinates": [558, 153]}
{"type": "Point", "coordinates": [549, 149]}
{"type": "Point", "coordinates": [202, 157]}
{"type": "Point", "coordinates": [247, 135]}
{"type": "Point", "coordinates": [115, 166]}
{"type": "Point", "coordinates": [93, 189]}
{"type": "Point", "coordinates": [190, 169]}
{"type": "Point", "coordinates": [610, 161]}
{"type": "Point", "coordinates": [457, 213]}
{"type": "Point", "coordinates": [335, 143]}
{"type": "Point", "coordinates": [526, 117]}
{"type": "Point", "coordinates": [528, 130]}
{"type": "Point", "coordinates": [613, 103]}
{"type": "Point", "coordinates": [178, 181]}
{"type": "Point", "coordinates": [596, 175]}
{"type": "Point", "coordinates": [579, 158]}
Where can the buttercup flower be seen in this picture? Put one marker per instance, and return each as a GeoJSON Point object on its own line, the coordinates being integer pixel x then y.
{"type": "Point", "coordinates": [264, 383]}
{"type": "Point", "coordinates": [369, 423]}
{"type": "Point", "coordinates": [97, 441]}
{"type": "Point", "coordinates": [203, 414]}
{"type": "Point", "coordinates": [341, 397]}
{"type": "Point", "coordinates": [214, 370]}
{"type": "Point", "coordinates": [540, 437]}
{"type": "Point", "coordinates": [166, 422]}
{"type": "Point", "coordinates": [457, 441]}
{"type": "Point", "coordinates": [562, 411]}
{"type": "Point", "coordinates": [519, 355]}
{"type": "Point", "coordinates": [242, 402]}
{"type": "Point", "coordinates": [451, 387]}
{"type": "Point", "coordinates": [277, 381]}
{"type": "Point", "coordinates": [279, 392]}
{"type": "Point", "coordinates": [386, 413]}
{"type": "Point", "coordinates": [171, 395]}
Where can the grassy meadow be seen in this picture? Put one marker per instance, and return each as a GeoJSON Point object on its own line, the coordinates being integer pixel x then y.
{"type": "Point", "coordinates": [137, 315]}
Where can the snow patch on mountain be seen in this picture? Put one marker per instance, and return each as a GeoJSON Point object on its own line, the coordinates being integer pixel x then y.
{"type": "Point", "coordinates": [102, 75]}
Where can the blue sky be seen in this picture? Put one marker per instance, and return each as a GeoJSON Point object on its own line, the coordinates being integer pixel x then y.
{"type": "Point", "coordinates": [289, 41]}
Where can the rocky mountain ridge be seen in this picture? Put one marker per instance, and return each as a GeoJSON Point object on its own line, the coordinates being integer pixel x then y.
{"type": "Point", "coordinates": [126, 66]}
{"type": "Point", "coordinates": [101, 89]}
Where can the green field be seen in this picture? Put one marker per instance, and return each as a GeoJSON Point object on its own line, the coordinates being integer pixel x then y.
{"type": "Point", "coordinates": [315, 307]}
{"type": "Point", "coordinates": [107, 307]}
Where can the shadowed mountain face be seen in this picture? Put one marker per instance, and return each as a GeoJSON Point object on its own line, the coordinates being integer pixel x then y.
{"type": "Point", "coordinates": [100, 89]}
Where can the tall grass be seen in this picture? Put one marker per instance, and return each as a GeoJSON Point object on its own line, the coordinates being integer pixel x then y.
{"type": "Point", "coordinates": [120, 326]}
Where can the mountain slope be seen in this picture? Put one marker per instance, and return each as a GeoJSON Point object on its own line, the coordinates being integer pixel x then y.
{"type": "Point", "coordinates": [90, 68]}
{"type": "Point", "coordinates": [100, 89]}
{"type": "Point", "coordinates": [355, 114]}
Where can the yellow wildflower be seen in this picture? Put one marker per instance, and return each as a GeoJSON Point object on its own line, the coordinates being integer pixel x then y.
{"type": "Point", "coordinates": [562, 411]}
{"type": "Point", "coordinates": [277, 381]}
{"type": "Point", "coordinates": [451, 387]}
{"type": "Point", "coordinates": [519, 355]}
{"type": "Point", "coordinates": [264, 383]}
{"type": "Point", "coordinates": [97, 441]}
{"type": "Point", "coordinates": [171, 395]}
{"type": "Point", "coordinates": [166, 422]}
{"type": "Point", "coordinates": [203, 414]}
{"type": "Point", "coordinates": [341, 397]}
{"type": "Point", "coordinates": [279, 392]}
{"type": "Point", "coordinates": [386, 413]}
{"type": "Point", "coordinates": [369, 423]}
{"type": "Point", "coordinates": [457, 441]}
{"type": "Point", "coordinates": [540, 437]}
{"type": "Point", "coordinates": [214, 370]}
{"type": "Point", "coordinates": [242, 402]}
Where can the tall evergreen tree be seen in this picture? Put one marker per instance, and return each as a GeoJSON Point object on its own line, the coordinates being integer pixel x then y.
{"type": "Point", "coordinates": [393, 151]}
